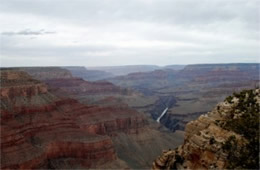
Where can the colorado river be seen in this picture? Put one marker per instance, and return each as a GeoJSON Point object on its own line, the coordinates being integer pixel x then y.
{"type": "Point", "coordinates": [163, 113]}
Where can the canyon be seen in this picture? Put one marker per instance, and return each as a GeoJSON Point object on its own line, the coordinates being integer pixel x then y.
{"type": "Point", "coordinates": [42, 127]}
{"type": "Point", "coordinates": [73, 117]}
{"type": "Point", "coordinates": [188, 92]}
{"type": "Point", "coordinates": [40, 130]}
{"type": "Point", "coordinates": [220, 139]}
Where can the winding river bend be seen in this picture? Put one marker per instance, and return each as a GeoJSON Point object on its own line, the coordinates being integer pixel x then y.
{"type": "Point", "coordinates": [163, 113]}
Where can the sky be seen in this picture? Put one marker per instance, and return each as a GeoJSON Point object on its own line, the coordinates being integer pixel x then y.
{"type": "Point", "coordinates": [128, 32]}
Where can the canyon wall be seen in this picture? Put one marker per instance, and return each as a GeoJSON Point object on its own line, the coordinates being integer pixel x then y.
{"type": "Point", "coordinates": [194, 90]}
{"type": "Point", "coordinates": [226, 137]}
{"type": "Point", "coordinates": [41, 130]}
{"type": "Point", "coordinates": [43, 127]}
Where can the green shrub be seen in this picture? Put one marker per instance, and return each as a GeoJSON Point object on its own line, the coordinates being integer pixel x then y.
{"type": "Point", "coordinates": [229, 99]}
{"type": "Point", "coordinates": [246, 125]}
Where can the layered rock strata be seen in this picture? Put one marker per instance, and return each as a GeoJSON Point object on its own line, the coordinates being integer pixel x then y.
{"type": "Point", "coordinates": [41, 130]}
{"type": "Point", "coordinates": [223, 138]}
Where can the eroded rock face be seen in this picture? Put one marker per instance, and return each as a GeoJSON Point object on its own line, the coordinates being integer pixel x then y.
{"type": "Point", "coordinates": [213, 141]}
{"type": "Point", "coordinates": [17, 83]}
{"type": "Point", "coordinates": [195, 88]}
{"type": "Point", "coordinates": [46, 73]}
{"type": "Point", "coordinates": [41, 130]}
{"type": "Point", "coordinates": [77, 86]}
{"type": "Point", "coordinates": [61, 82]}
{"type": "Point", "coordinates": [88, 75]}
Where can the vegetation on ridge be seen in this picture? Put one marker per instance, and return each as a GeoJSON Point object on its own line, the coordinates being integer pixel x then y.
{"type": "Point", "coordinates": [244, 120]}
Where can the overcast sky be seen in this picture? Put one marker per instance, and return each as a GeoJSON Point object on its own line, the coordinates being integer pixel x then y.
{"type": "Point", "coordinates": [127, 32]}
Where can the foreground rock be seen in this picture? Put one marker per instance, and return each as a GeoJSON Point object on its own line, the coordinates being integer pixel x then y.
{"type": "Point", "coordinates": [227, 137]}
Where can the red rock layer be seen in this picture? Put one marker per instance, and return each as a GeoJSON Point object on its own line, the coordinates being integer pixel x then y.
{"type": "Point", "coordinates": [61, 78]}
{"type": "Point", "coordinates": [77, 86]}
{"type": "Point", "coordinates": [38, 128]}
{"type": "Point", "coordinates": [17, 83]}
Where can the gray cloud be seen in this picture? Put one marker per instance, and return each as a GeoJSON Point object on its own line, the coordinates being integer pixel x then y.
{"type": "Point", "coordinates": [115, 32]}
{"type": "Point", "coordinates": [187, 12]}
{"type": "Point", "coordinates": [27, 32]}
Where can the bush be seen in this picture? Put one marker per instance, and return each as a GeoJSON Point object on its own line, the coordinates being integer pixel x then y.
{"type": "Point", "coordinates": [229, 99]}
{"type": "Point", "coordinates": [246, 125]}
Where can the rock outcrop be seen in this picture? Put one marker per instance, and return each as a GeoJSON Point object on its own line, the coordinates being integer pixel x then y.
{"type": "Point", "coordinates": [42, 130]}
{"type": "Point", "coordinates": [46, 73]}
{"type": "Point", "coordinates": [78, 86]}
{"type": "Point", "coordinates": [61, 81]}
{"type": "Point", "coordinates": [13, 85]}
{"type": "Point", "coordinates": [226, 137]}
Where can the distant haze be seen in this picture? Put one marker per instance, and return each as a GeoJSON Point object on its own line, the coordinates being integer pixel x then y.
{"type": "Point", "coordinates": [133, 32]}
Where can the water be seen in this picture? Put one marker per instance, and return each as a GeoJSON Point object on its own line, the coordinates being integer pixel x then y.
{"type": "Point", "coordinates": [163, 113]}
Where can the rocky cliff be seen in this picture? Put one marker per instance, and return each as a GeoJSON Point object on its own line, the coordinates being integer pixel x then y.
{"type": "Point", "coordinates": [215, 73]}
{"type": "Point", "coordinates": [45, 73]}
{"type": "Point", "coordinates": [226, 137]}
{"type": "Point", "coordinates": [196, 89]}
{"type": "Point", "coordinates": [41, 130]}
{"type": "Point", "coordinates": [78, 86]}
{"type": "Point", "coordinates": [61, 81]}
{"type": "Point", "coordinates": [13, 84]}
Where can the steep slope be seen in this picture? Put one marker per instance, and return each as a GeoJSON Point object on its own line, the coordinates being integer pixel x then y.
{"type": "Point", "coordinates": [41, 130]}
{"type": "Point", "coordinates": [227, 137]}
{"type": "Point", "coordinates": [77, 86]}
{"type": "Point", "coordinates": [189, 92]}
{"type": "Point", "coordinates": [61, 82]}
{"type": "Point", "coordinates": [146, 80]}
{"type": "Point", "coordinates": [220, 72]}
{"type": "Point", "coordinates": [45, 73]}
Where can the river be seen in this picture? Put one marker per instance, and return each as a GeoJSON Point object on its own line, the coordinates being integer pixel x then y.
{"type": "Point", "coordinates": [163, 113]}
